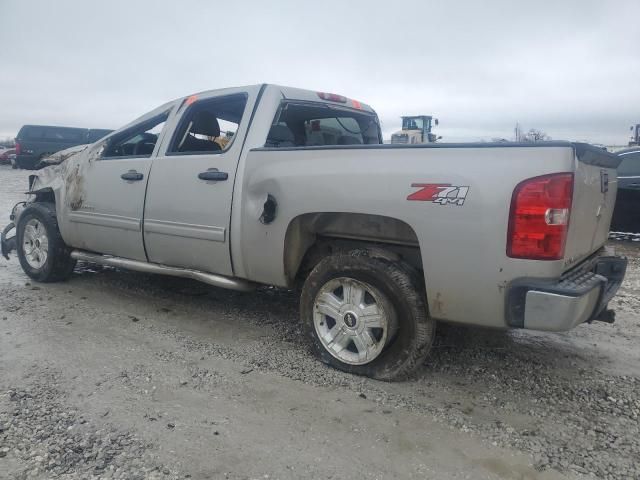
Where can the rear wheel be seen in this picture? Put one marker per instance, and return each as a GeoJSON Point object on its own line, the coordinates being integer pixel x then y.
{"type": "Point", "coordinates": [42, 253]}
{"type": "Point", "coordinates": [367, 315]}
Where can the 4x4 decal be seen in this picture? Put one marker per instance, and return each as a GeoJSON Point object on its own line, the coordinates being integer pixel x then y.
{"type": "Point", "coordinates": [442, 193]}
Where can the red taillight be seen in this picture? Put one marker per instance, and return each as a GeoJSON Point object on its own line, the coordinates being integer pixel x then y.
{"type": "Point", "coordinates": [332, 97]}
{"type": "Point", "coordinates": [539, 217]}
{"type": "Point", "coordinates": [18, 148]}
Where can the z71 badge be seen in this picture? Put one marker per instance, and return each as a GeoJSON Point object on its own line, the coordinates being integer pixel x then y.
{"type": "Point", "coordinates": [442, 193]}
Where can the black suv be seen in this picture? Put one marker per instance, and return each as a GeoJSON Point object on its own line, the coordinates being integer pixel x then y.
{"type": "Point", "coordinates": [35, 142]}
{"type": "Point", "coordinates": [626, 215]}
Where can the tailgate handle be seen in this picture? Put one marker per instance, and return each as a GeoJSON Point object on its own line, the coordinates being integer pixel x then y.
{"type": "Point", "coordinates": [214, 175]}
{"type": "Point", "coordinates": [132, 176]}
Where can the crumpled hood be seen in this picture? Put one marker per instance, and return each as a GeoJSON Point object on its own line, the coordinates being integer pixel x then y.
{"type": "Point", "coordinates": [59, 157]}
{"type": "Point", "coordinates": [65, 176]}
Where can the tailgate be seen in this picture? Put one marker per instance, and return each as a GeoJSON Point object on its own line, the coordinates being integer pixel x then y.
{"type": "Point", "coordinates": [594, 196]}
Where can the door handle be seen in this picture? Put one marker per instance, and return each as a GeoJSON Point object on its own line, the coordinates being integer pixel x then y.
{"type": "Point", "coordinates": [132, 176]}
{"type": "Point", "coordinates": [213, 175]}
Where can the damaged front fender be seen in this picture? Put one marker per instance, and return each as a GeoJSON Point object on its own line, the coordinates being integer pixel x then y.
{"type": "Point", "coordinates": [61, 183]}
{"type": "Point", "coordinates": [48, 184]}
{"type": "Point", "coordinates": [61, 156]}
{"type": "Point", "coordinates": [65, 181]}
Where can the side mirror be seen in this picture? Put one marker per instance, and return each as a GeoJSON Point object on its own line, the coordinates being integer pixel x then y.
{"type": "Point", "coordinates": [436, 122]}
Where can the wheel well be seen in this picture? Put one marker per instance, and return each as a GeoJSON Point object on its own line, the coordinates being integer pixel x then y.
{"type": "Point", "coordinates": [312, 236]}
{"type": "Point", "coordinates": [45, 195]}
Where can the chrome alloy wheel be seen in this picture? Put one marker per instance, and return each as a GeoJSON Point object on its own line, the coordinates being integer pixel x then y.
{"type": "Point", "coordinates": [35, 243]}
{"type": "Point", "coordinates": [350, 320]}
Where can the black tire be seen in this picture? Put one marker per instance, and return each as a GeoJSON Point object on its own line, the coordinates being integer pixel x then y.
{"type": "Point", "coordinates": [59, 265]}
{"type": "Point", "coordinates": [401, 289]}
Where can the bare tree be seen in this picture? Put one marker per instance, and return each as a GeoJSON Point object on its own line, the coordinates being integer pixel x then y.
{"type": "Point", "coordinates": [535, 135]}
{"type": "Point", "coordinates": [7, 142]}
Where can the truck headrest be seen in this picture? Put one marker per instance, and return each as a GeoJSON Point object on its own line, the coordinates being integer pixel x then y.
{"type": "Point", "coordinates": [205, 123]}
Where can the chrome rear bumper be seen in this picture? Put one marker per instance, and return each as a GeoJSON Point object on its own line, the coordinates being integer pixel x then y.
{"type": "Point", "coordinates": [579, 296]}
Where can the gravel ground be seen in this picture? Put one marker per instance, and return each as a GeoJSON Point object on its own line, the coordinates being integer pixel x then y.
{"type": "Point", "coordinates": [123, 375]}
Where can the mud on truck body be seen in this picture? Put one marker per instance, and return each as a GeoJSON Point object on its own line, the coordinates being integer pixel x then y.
{"type": "Point", "coordinates": [384, 240]}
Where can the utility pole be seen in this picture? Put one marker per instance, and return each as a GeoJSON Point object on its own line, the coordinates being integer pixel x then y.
{"type": "Point", "coordinates": [517, 132]}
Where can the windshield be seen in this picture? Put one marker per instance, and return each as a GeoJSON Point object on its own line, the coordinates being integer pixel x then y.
{"type": "Point", "coordinates": [416, 123]}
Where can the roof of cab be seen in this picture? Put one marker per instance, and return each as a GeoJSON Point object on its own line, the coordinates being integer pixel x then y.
{"type": "Point", "coordinates": [293, 93]}
{"type": "Point", "coordinates": [314, 96]}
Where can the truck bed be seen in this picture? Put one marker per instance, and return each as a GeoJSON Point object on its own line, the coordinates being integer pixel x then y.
{"type": "Point", "coordinates": [462, 242]}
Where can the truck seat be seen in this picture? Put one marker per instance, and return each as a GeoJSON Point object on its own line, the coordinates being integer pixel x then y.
{"type": "Point", "coordinates": [349, 140]}
{"type": "Point", "coordinates": [280, 136]}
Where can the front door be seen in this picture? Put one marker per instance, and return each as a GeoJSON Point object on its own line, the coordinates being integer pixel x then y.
{"type": "Point", "coordinates": [106, 194]}
{"type": "Point", "coordinates": [188, 205]}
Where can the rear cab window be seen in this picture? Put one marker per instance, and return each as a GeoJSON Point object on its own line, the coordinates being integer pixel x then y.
{"type": "Point", "coordinates": [65, 134]}
{"type": "Point", "coordinates": [52, 134]}
{"type": "Point", "coordinates": [312, 124]}
{"type": "Point", "coordinates": [630, 165]}
{"type": "Point", "coordinates": [30, 133]}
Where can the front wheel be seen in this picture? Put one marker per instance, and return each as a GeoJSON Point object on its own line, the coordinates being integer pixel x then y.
{"type": "Point", "coordinates": [42, 253]}
{"type": "Point", "coordinates": [367, 315]}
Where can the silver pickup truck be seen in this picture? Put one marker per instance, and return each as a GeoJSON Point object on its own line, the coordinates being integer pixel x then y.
{"type": "Point", "coordinates": [270, 185]}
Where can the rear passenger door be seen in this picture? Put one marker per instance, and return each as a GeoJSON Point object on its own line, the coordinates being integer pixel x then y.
{"type": "Point", "coordinates": [188, 205]}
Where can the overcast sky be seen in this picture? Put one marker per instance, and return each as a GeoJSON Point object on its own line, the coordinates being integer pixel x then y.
{"type": "Point", "coordinates": [570, 68]}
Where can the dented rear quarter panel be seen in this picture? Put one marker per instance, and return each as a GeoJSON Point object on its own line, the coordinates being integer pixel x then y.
{"type": "Point", "coordinates": [463, 247]}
